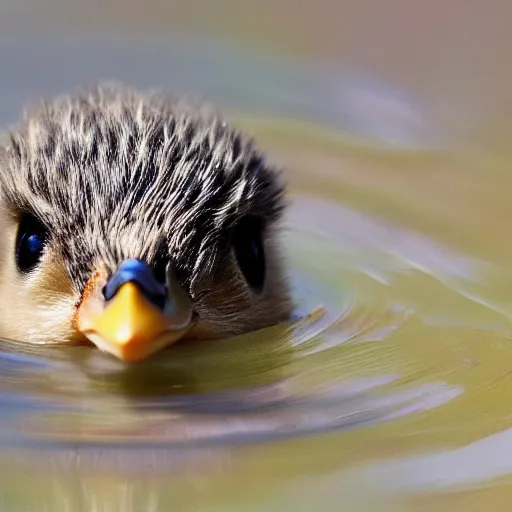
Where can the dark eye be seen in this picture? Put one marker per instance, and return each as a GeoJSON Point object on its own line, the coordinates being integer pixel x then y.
{"type": "Point", "coordinates": [32, 236]}
{"type": "Point", "coordinates": [248, 246]}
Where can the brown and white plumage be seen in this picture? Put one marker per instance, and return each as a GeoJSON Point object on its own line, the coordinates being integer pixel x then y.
{"type": "Point", "coordinates": [113, 174]}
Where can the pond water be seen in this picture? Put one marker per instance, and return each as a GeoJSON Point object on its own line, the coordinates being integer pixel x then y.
{"type": "Point", "coordinates": [390, 390]}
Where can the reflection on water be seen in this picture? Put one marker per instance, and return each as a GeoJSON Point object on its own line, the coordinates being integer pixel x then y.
{"type": "Point", "coordinates": [389, 389]}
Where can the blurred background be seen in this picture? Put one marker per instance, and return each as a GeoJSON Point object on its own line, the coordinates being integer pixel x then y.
{"type": "Point", "coordinates": [450, 56]}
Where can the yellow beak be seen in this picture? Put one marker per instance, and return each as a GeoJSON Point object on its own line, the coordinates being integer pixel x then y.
{"type": "Point", "coordinates": [129, 326]}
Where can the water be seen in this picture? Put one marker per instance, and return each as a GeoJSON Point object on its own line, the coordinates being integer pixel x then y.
{"type": "Point", "coordinates": [390, 389]}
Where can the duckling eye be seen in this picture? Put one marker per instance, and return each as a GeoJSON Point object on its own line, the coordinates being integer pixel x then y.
{"type": "Point", "coordinates": [31, 239]}
{"type": "Point", "coordinates": [248, 247]}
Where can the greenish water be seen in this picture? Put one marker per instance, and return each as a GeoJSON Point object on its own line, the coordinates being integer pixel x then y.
{"type": "Point", "coordinates": [391, 388]}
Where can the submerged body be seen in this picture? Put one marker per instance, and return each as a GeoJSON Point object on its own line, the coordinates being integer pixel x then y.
{"type": "Point", "coordinates": [133, 220]}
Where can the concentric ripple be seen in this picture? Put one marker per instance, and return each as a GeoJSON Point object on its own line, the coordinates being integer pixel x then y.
{"type": "Point", "coordinates": [360, 290]}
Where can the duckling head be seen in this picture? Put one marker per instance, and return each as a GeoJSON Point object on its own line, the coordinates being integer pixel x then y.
{"type": "Point", "coordinates": [133, 220]}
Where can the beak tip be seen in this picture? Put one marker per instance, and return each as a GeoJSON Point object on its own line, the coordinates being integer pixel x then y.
{"type": "Point", "coordinates": [129, 326]}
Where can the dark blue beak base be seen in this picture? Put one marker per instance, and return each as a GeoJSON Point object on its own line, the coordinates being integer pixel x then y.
{"type": "Point", "coordinates": [141, 274]}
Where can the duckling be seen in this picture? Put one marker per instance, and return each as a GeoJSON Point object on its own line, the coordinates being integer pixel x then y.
{"type": "Point", "coordinates": [132, 220]}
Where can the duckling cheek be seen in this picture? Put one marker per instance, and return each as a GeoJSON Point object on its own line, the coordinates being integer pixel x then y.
{"type": "Point", "coordinates": [130, 326]}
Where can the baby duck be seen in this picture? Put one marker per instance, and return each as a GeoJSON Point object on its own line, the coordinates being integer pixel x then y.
{"type": "Point", "coordinates": [132, 220]}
